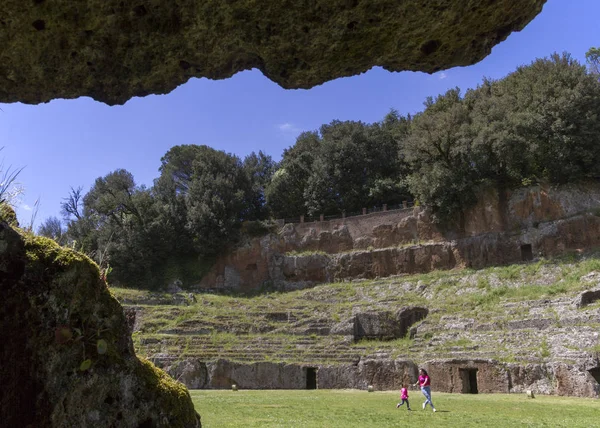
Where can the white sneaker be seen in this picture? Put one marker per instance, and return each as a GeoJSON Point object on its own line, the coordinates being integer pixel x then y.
{"type": "Point", "coordinates": [424, 405]}
{"type": "Point", "coordinates": [434, 410]}
{"type": "Point", "coordinates": [398, 406]}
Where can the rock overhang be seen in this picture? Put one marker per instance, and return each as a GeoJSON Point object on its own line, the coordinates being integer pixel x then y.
{"type": "Point", "coordinates": [113, 50]}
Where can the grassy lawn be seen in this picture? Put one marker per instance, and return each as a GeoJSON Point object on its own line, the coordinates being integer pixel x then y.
{"type": "Point", "coordinates": [351, 408]}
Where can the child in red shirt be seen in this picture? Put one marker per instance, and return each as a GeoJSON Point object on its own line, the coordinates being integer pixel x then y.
{"type": "Point", "coordinates": [403, 397]}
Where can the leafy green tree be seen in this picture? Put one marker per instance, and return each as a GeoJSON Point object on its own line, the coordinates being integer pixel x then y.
{"type": "Point", "coordinates": [356, 167]}
{"type": "Point", "coordinates": [177, 165]}
{"type": "Point", "coordinates": [551, 109]}
{"type": "Point", "coordinates": [344, 167]}
{"type": "Point", "coordinates": [593, 59]}
{"type": "Point", "coordinates": [216, 199]}
{"type": "Point", "coordinates": [112, 196]}
{"type": "Point", "coordinates": [348, 155]}
{"type": "Point", "coordinates": [116, 226]}
{"type": "Point", "coordinates": [113, 208]}
{"type": "Point", "coordinates": [285, 192]}
{"type": "Point", "coordinates": [438, 151]}
{"type": "Point", "coordinates": [204, 194]}
{"type": "Point", "coordinates": [260, 169]}
{"type": "Point", "coordinates": [498, 153]}
{"type": "Point", "coordinates": [540, 123]}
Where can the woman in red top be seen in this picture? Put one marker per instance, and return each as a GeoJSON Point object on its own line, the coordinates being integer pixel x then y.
{"type": "Point", "coordinates": [425, 384]}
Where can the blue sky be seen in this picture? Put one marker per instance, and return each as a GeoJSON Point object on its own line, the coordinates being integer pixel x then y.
{"type": "Point", "coordinates": [72, 142]}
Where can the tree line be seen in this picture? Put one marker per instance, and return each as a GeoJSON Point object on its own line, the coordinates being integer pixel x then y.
{"type": "Point", "coordinates": [540, 123]}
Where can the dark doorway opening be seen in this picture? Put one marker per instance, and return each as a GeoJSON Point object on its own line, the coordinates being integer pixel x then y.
{"type": "Point", "coordinates": [311, 378]}
{"type": "Point", "coordinates": [526, 252]}
{"type": "Point", "coordinates": [595, 372]}
{"type": "Point", "coordinates": [469, 381]}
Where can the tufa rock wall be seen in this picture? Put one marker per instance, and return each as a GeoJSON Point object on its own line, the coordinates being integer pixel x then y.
{"type": "Point", "coordinates": [452, 376]}
{"type": "Point", "coordinates": [530, 222]}
{"type": "Point", "coordinates": [457, 376]}
{"type": "Point", "coordinates": [488, 376]}
{"type": "Point", "coordinates": [525, 208]}
{"type": "Point", "coordinates": [55, 372]}
{"type": "Point", "coordinates": [112, 50]}
{"type": "Point", "coordinates": [221, 374]}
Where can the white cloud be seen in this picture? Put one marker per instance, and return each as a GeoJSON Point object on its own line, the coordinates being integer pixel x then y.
{"type": "Point", "coordinates": [288, 127]}
{"type": "Point", "coordinates": [443, 75]}
{"type": "Point", "coordinates": [26, 207]}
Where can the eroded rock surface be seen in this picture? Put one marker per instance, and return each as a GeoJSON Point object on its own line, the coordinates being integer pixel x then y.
{"type": "Point", "coordinates": [466, 376]}
{"type": "Point", "coordinates": [112, 50]}
{"type": "Point", "coordinates": [525, 224]}
{"type": "Point", "coordinates": [67, 355]}
{"type": "Point", "coordinates": [587, 298]}
{"type": "Point", "coordinates": [488, 376]}
{"type": "Point", "coordinates": [383, 325]}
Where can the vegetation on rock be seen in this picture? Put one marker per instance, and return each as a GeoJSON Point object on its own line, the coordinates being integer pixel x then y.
{"type": "Point", "coordinates": [8, 215]}
{"type": "Point", "coordinates": [71, 358]}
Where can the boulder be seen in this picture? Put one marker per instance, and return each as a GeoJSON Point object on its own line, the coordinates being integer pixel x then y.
{"type": "Point", "coordinates": [587, 298]}
{"type": "Point", "coordinates": [572, 380]}
{"type": "Point", "coordinates": [385, 325]}
{"type": "Point", "coordinates": [191, 372]}
{"type": "Point", "coordinates": [67, 355]}
{"type": "Point", "coordinates": [375, 325]}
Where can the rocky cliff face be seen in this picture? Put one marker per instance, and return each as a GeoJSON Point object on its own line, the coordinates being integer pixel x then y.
{"type": "Point", "coordinates": [527, 208]}
{"type": "Point", "coordinates": [488, 376]}
{"type": "Point", "coordinates": [466, 376]}
{"type": "Point", "coordinates": [112, 50]}
{"type": "Point", "coordinates": [524, 224]}
{"type": "Point", "coordinates": [67, 355]}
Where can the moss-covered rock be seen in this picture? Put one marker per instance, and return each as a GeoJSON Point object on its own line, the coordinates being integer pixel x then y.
{"type": "Point", "coordinates": [67, 356]}
{"type": "Point", "coordinates": [8, 215]}
{"type": "Point", "coordinates": [112, 50]}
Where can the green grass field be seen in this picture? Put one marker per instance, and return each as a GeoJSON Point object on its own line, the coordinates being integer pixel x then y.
{"type": "Point", "coordinates": [352, 408]}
